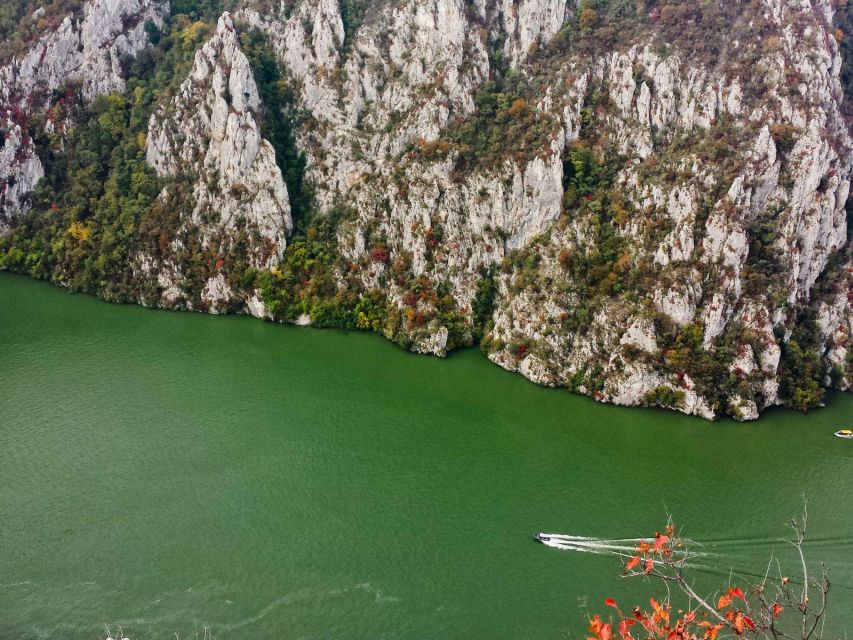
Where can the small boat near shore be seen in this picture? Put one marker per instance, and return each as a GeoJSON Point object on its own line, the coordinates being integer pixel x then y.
{"type": "Point", "coordinates": [846, 434]}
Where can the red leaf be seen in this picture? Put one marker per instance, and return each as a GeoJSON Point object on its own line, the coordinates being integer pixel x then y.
{"type": "Point", "coordinates": [595, 625]}
{"type": "Point", "coordinates": [601, 631]}
{"type": "Point", "coordinates": [711, 631]}
{"type": "Point", "coordinates": [632, 563]}
{"type": "Point", "coordinates": [777, 609]}
{"type": "Point", "coordinates": [650, 564]}
{"type": "Point", "coordinates": [724, 602]}
{"type": "Point", "coordinates": [738, 624]}
{"type": "Point", "coordinates": [660, 540]}
{"type": "Point", "coordinates": [749, 623]}
{"type": "Point", "coordinates": [610, 602]}
{"type": "Point", "coordinates": [736, 593]}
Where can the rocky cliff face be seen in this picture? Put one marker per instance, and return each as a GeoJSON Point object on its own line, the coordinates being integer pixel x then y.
{"type": "Point", "coordinates": [208, 131]}
{"type": "Point", "coordinates": [707, 214]}
{"type": "Point", "coordinates": [84, 50]}
{"type": "Point", "coordinates": [648, 211]}
{"type": "Point", "coordinates": [704, 212]}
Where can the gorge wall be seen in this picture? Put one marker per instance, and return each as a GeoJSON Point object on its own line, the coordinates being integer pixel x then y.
{"type": "Point", "coordinates": [643, 201]}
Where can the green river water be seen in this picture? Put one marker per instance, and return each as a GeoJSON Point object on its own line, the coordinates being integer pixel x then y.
{"type": "Point", "coordinates": [171, 472]}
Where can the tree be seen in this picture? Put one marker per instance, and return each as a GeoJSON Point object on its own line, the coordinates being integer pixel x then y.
{"type": "Point", "coordinates": [588, 19]}
{"type": "Point", "coordinates": [776, 608]}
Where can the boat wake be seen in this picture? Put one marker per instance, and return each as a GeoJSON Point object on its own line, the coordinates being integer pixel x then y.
{"type": "Point", "coordinates": [712, 556]}
{"type": "Point", "coordinates": [622, 546]}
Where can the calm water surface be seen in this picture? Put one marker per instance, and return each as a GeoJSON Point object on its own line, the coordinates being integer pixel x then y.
{"type": "Point", "coordinates": [174, 471]}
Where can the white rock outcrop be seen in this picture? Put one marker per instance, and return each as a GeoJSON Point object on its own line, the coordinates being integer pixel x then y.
{"type": "Point", "coordinates": [87, 49]}
{"type": "Point", "coordinates": [20, 170]}
{"type": "Point", "coordinates": [209, 130]}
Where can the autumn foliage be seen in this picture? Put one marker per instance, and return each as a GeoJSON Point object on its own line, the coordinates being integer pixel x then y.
{"type": "Point", "coordinates": [770, 609]}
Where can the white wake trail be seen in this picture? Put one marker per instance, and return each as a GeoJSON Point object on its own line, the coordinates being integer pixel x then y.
{"type": "Point", "coordinates": [624, 547]}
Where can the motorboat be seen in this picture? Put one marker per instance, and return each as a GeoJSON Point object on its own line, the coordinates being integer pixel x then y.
{"type": "Point", "coordinates": [541, 537]}
{"type": "Point", "coordinates": [846, 434]}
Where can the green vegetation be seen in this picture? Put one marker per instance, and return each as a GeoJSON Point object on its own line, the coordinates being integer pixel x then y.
{"type": "Point", "coordinates": [590, 195]}
{"type": "Point", "coordinates": [304, 282]}
{"type": "Point", "coordinates": [506, 125]}
{"type": "Point", "coordinates": [699, 28]}
{"type": "Point", "coordinates": [277, 120]}
{"type": "Point", "coordinates": [10, 17]}
{"type": "Point", "coordinates": [207, 10]}
{"type": "Point", "coordinates": [87, 211]}
{"type": "Point", "coordinates": [844, 36]}
{"type": "Point", "coordinates": [683, 352]}
{"type": "Point", "coordinates": [21, 26]}
{"type": "Point", "coordinates": [665, 397]}
{"type": "Point", "coordinates": [801, 370]}
{"type": "Point", "coordinates": [484, 301]}
{"type": "Point", "coordinates": [98, 206]}
{"type": "Point", "coordinates": [352, 14]}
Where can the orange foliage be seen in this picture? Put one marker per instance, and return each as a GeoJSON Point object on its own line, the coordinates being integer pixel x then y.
{"type": "Point", "coordinates": [656, 557]}
{"type": "Point", "coordinates": [518, 107]}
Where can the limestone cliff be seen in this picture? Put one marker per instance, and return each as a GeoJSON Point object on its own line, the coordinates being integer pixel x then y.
{"type": "Point", "coordinates": [644, 203]}
{"type": "Point", "coordinates": [85, 50]}
{"type": "Point", "coordinates": [640, 104]}
{"type": "Point", "coordinates": [208, 131]}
